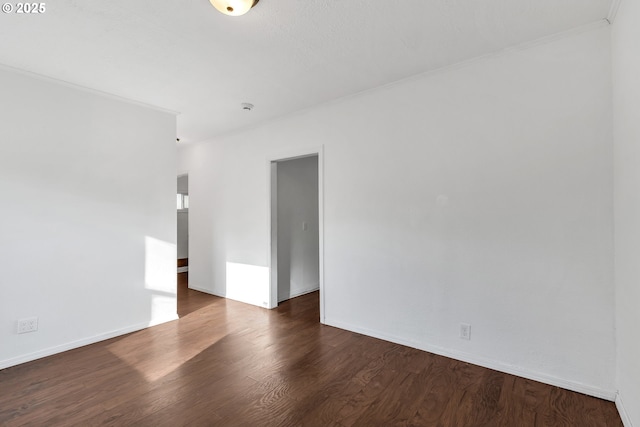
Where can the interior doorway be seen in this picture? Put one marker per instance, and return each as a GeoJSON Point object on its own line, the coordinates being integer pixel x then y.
{"type": "Point", "coordinates": [183, 223]}
{"type": "Point", "coordinates": [296, 227]}
{"type": "Point", "coordinates": [182, 245]}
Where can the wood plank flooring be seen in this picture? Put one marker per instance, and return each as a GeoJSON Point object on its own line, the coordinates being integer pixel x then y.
{"type": "Point", "coordinates": [229, 364]}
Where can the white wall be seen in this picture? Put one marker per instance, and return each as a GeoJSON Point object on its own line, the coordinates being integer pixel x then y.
{"type": "Point", "coordinates": [479, 194]}
{"type": "Point", "coordinates": [183, 234]}
{"type": "Point", "coordinates": [297, 201]}
{"type": "Point", "coordinates": [183, 184]}
{"type": "Point", "coordinates": [183, 220]}
{"type": "Point", "coordinates": [626, 70]}
{"type": "Point", "coordinates": [87, 216]}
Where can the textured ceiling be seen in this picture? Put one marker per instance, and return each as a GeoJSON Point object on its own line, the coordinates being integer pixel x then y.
{"type": "Point", "coordinates": [283, 56]}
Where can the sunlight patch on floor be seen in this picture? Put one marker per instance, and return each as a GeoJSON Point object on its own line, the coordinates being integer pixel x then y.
{"type": "Point", "coordinates": [157, 360]}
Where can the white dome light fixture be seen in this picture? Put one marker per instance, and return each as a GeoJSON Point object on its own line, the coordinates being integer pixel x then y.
{"type": "Point", "coordinates": [233, 7]}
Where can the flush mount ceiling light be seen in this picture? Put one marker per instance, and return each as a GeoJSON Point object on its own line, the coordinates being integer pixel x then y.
{"type": "Point", "coordinates": [233, 7]}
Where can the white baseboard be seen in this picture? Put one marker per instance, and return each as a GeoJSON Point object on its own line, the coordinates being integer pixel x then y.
{"type": "Point", "coordinates": [81, 343]}
{"type": "Point", "coordinates": [206, 291]}
{"type": "Point", "coordinates": [299, 293]}
{"type": "Point", "coordinates": [624, 415]}
{"type": "Point", "coordinates": [485, 363]}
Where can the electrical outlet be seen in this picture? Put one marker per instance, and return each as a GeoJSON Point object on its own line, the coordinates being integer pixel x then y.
{"type": "Point", "coordinates": [27, 325]}
{"type": "Point", "coordinates": [465, 331]}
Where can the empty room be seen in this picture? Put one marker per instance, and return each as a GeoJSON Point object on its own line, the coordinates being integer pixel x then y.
{"type": "Point", "coordinates": [417, 213]}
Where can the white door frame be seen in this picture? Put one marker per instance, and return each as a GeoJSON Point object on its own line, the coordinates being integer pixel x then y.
{"type": "Point", "coordinates": [271, 167]}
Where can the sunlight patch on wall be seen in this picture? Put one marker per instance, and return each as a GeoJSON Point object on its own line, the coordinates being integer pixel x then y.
{"type": "Point", "coordinates": [160, 278]}
{"type": "Point", "coordinates": [248, 283]}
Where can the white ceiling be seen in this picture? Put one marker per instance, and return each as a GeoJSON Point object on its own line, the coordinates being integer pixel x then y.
{"type": "Point", "coordinates": [283, 56]}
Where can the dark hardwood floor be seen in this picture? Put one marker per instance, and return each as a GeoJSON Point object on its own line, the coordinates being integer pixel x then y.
{"type": "Point", "coordinates": [225, 363]}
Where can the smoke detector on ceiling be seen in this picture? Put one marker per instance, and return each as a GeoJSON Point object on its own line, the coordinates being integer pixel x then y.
{"type": "Point", "coordinates": [246, 106]}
